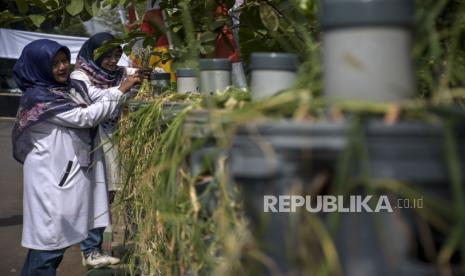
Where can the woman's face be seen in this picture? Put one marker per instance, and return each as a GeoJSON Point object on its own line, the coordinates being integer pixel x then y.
{"type": "Point", "coordinates": [60, 67]}
{"type": "Point", "coordinates": [109, 63]}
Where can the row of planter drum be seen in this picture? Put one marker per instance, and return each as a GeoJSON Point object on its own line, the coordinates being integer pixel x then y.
{"type": "Point", "coordinates": [273, 159]}
{"type": "Point", "coordinates": [276, 159]}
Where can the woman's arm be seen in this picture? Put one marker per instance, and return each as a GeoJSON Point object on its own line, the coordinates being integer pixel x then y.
{"type": "Point", "coordinates": [92, 115]}
{"type": "Point", "coordinates": [97, 112]}
{"type": "Point", "coordinates": [94, 94]}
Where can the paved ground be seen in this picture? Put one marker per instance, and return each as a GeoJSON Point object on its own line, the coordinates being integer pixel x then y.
{"type": "Point", "coordinates": [11, 191]}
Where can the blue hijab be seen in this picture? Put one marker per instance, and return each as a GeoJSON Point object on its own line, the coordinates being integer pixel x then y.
{"type": "Point", "coordinates": [98, 76]}
{"type": "Point", "coordinates": [43, 97]}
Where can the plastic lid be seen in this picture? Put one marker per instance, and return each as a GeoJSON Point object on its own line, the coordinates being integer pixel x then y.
{"type": "Point", "coordinates": [160, 76]}
{"type": "Point", "coordinates": [215, 64]}
{"type": "Point", "coordinates": [185, 72]}
{"type": "Point", "coordinates": [274, 61]}
{"type": "Point", "coordinates": [352, 13]}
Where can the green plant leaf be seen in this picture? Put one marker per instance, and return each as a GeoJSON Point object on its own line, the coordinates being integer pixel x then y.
{"type": "Point", "coordinates": [263, 32]}
{"type": "Point", "coordinates": [127, 49]}
{"type": "Point", "coordinates": [41, 5]}
{"type": "Point", "coordinates": [149, 42]}
{"type": "Point", "coordinates": [22, 6]}
{"type": "Point", "coordinates": [92, 7]}
{"type": "Point", "coordinates": [75, 7]}
{"type": "Point", "coordinates": [6, 18]}
{"type": "Point", "coordinates": [49, 4]}
{"type": "Point", "coordinates": [37, 19]}
{"type": "Point", "coordinates": [65, 21]}
{"type": "Point", "coordinates": [107, 45]}
{"type": "Point", "coordinates": [95, 8]}
{"type": "Point", "coordinates": [88, 6]}
{"type": "Point", "coordinates": [218, 23]}
{"type": "Point", "coordinates": [269, 18]}
{"type": "Point", "coordinates": [85, 15]}
{"type": "Point", "coordinates": [207, 37]}
{"type": "Point", "coordinates": [135, 34]}
{"type": "Point", "coordinates": [177, 28]}
{"type": "Point", "coordinates": [113, 3]}
{"type": "Point", "coordinates": [206, 49]}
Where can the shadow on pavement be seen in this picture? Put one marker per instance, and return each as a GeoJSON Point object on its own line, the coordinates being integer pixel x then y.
{"type": "Point", "coordinates": [12, 220]}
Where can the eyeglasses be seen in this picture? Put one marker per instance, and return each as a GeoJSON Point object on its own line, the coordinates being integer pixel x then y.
{"type": "Point", "coordinates": [116, 56]}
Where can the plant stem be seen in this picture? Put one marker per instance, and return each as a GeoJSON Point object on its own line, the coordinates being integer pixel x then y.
{"type": "Point", "coordinates": [456, 236]}
{"type": "Point", "coordinates": [192, 44]}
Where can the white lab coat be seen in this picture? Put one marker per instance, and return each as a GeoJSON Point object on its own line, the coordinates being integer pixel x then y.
{"type": "Point", "coordinates": [107, 152]}
{"type": "Point", "coordinates": [57, 216]}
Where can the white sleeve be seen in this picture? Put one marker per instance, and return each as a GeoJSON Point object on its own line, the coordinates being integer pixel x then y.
{"type": "Point", "coordinates": [130, 71]}
{"type": "Point", "coordinates": [92, 115]}
{"type": "Point", "coordinates": [95, 94]}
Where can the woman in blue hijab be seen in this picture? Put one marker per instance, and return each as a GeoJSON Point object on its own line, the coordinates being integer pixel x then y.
{"type": "Point", "coordinates": [52, 137]}
{"type": "Point", "coordinates": [101, 72]}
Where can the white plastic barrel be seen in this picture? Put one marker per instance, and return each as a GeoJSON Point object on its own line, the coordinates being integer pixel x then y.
{"type": "Point", "coordinates": [215, 75]}
{"type": "Point", "coordinates": [367, 50]}
{"type": "Point", "coordinates": [271, 73]}
{"type": "Point", "coordinates": [186, 80]}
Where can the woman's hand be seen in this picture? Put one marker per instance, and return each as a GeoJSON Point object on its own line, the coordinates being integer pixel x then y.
{"type": "Point", "coordinates": [144, 72]}
{"type": "Point", "coordinates": [129, 82]}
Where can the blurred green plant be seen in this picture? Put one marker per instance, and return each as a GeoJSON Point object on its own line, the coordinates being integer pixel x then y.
{"type": "Point", "coordinates": [269, 25]}
{"type": "Point", "coordinates": [37, 12]}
